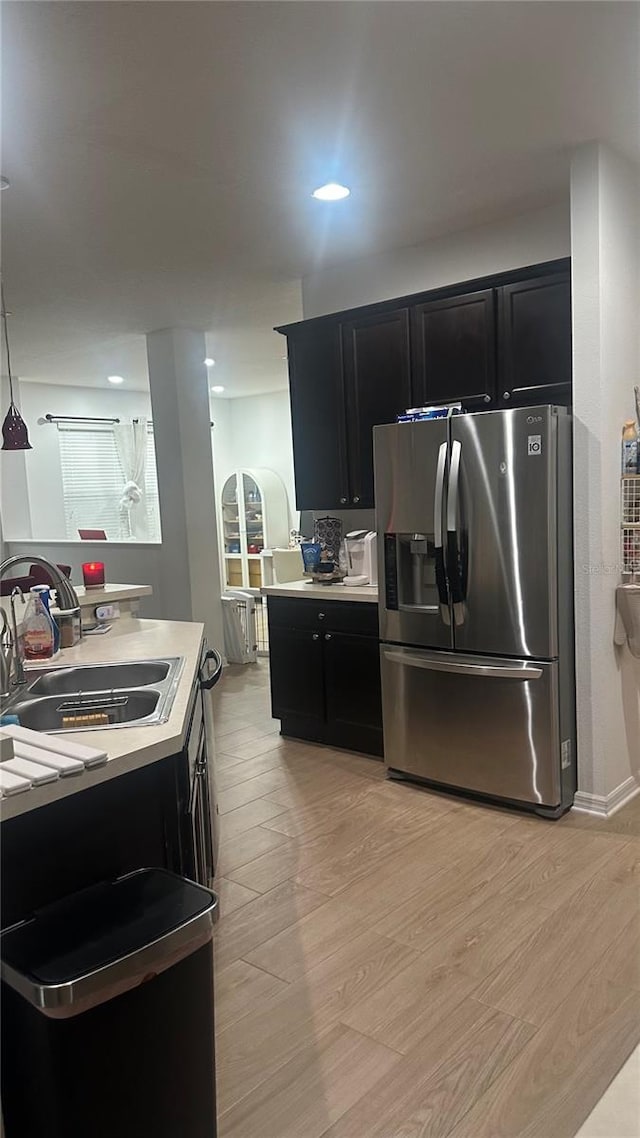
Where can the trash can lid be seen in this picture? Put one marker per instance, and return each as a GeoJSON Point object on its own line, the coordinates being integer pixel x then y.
{"type": "Point", "coordinates": [107, 937]}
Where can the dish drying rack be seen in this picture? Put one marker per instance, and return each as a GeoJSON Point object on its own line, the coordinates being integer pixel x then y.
{"type": "Point", "coordinates": [630, 522]}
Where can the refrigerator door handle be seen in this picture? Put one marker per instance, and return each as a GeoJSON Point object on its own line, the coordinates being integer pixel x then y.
{"type": "Point", "coordinates": [453, 548]}
{"type": "Point", "coordinates": [441, 575]}
{"type": "Point", "coordinates": [486, 671]}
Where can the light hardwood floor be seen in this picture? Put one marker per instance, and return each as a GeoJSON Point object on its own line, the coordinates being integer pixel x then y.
{"type": "Point", "coordinates": [392, 963]}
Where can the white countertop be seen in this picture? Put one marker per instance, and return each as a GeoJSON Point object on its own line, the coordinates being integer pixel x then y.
{"type": "Point", "coordinates": [127, 747]}
{"type": "Point", "coordinates": [110, 594]}
{"type": "Point", "coordinates": [334, 592]}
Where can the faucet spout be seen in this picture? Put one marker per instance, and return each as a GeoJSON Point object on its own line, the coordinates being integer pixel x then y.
{"type": "Point", "coordinates": [67, 596]}
{"type": "Point", "coordinates": [10, 652]}
{"type": "Point", "coordinates": [18, 659]}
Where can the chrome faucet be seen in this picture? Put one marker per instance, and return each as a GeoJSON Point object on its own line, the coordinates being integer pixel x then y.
{"type": "Point", "coordinates": [10, 651]}
{"type": "Point", "coordinates": [67, 596]}
{"type": "Point", "coordinates": [15, 655]}
{"type": "Point", "coordinates": [6, 655]}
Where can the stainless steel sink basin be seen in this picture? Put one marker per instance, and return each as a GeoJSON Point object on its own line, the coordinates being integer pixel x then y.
{"type": "Point", "coordinates": [98, 696]}
{"type": "Point", "coordinates": [79, 713]}
{"type": "Point", "coordinates": [101, 677]}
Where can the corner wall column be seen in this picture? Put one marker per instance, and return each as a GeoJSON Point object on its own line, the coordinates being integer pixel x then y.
{"type": "Point", "coordinates": [190, 565]}
{"type": "Point", "coordinates": [605, 252]}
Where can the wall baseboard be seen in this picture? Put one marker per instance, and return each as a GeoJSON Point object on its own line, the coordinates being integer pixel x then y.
{"type": "Point", "coordinates": [604, 805]}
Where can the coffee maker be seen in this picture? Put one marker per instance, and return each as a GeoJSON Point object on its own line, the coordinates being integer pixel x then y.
{"type": "Point", "coordinates": [362, 557]}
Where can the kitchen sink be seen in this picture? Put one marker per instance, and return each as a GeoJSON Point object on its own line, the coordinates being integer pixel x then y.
{"type": "Point", "coordinates": [82, 712]}
{"type": "Point", "coordinates": [101, 677]}
{"type": "Point", "coordinates": [96, 697]}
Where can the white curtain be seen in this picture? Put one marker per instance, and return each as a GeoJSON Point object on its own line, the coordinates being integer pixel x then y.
{"type": "Point", "coordinates": [131, 444]}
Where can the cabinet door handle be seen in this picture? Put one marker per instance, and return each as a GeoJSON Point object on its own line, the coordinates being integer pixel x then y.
{"type": "Point", "coordinates": [327, 636]}
{"type": "Point", "coordinates": [321, 616]}
{"type": "Point", "coordinates": [316, 636]}
{"type": "Point", "coordinates": [343, 501]}
{"type": "Point", "coordinates": [357, 498]}
{"type": "Point", "coordinates": [506, 395]}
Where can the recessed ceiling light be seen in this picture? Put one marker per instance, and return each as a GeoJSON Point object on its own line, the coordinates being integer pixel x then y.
{"type": "Point", "coordinates": [217, 390]}
{"type": "Point", "coordinates": [332, 192]}
{"type": "Point", "coordinates": [209, 362]}
{"type": "Point", "coordinates": [115, 378]}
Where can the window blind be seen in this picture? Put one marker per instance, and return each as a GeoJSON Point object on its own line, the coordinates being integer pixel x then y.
{"type": "Point", "coordinates": [151, 489]}
{"type": "Point", "coordinates": [92, 482]}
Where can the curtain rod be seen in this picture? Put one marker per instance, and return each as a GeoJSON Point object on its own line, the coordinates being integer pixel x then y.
{"type": "Point", "coordinates": [86, 419]}
{"type": "Point", "coordinates": [89, 419]}
{"type": "Point", "coordinates": [77, 419]}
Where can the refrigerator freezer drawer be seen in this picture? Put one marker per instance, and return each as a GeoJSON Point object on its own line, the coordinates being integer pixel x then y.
{"type": "Point", "coordinates": [483, 724]}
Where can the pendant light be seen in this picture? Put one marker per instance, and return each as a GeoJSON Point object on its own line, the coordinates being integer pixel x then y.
{"type": "Point", "coordinates": [14, 429]}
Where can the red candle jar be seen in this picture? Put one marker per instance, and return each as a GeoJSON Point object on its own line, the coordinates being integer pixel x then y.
{"type": "Point", "coordinates": [93, 574]}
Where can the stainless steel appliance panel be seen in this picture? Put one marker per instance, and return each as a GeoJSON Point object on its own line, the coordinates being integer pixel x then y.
{"type": "Point", "coordinates": [410, 481]}
{"type": "Point", "coordinates": [484, 724]}
{"type": "Point", "coordinates": [501, 539]}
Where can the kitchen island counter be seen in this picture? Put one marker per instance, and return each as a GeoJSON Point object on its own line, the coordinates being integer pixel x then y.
{"type": "Point", "coordinates": [128, 748]}
{"type": "Point", "coordinates": [110, 594]}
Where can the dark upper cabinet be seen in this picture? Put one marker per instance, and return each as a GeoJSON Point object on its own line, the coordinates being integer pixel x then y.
{"type": "Point", "coordinates": [535, 341]}
{"type": "Point", "coordinates": [318, 416]}
{"type": "Point", "coordinates": [345, 377]}
{"type": "Point", "coordinates": [489, 343]}
{"type": "Point", "coordinates": [377, 379]}
{"type": "Point", "coordinates": [453, 343]}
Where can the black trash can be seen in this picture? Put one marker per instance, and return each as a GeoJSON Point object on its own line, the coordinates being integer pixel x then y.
{"type": "Point", "coordinates": [107, 1013]}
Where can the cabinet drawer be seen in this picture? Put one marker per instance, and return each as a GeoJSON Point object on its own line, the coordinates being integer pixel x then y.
{"type": "Point", "coordinates": [340, 616]}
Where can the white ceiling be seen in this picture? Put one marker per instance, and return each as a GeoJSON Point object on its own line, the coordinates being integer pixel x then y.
{"type": "Point", "coordinates": [162, 155]}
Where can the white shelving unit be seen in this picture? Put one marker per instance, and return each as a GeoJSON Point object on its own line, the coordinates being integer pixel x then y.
{"type": "Point", "coordinates": [253, 515]}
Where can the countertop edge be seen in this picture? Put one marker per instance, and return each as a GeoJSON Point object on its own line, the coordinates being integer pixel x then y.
{"type": "Point", "coordinates": [105, 594]}
{"type": "Point", "coordinates": [309, 590]}
{"type": "Point", "coordinates": [172, 733]}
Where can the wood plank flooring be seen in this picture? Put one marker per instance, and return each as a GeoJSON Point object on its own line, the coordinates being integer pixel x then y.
{"type": "Point", "coordinates": [393, 963]}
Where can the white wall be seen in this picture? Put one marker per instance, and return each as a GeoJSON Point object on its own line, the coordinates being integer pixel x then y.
{"type": "Point", "coordinates": [254, 431]}
{"type": "Point", "coordinates": [32, 509]}
{"type": "Point", "coordinates": [527, 239]}
{"type": "Point", "coordinates": [45, 506]}
{"type": "Point", "coordinates": [14, 491]}
{"type": "Point", "coordinates": [605, 213]}
{"type": "Point", "coordinates": [125, 564]}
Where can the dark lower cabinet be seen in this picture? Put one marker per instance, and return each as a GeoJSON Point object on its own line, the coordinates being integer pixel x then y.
{"type": "Point", "coordinates": [139, 819]}
{"type": "Point", "coordinates": [353, 699]}
{"type": "Point", "coordinates": [93, 835]}
{"type": "Point", "coordinates": [453, 342]}
{"type": "Point", "coordinates": [325, 672]}
{"type": "Point", "coordinates": [297, 674]}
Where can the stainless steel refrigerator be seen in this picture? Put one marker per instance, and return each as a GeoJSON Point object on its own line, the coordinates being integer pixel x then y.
{"type": "Point", "coordinates": [474, 517]}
